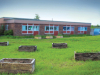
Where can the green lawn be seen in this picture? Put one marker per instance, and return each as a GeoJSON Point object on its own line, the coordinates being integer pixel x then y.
{"type": "Point", "coordinates": [51, 61]}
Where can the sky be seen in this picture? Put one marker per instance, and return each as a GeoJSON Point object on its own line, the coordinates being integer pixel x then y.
{"type": "Point", "coordinates": [57, 10]}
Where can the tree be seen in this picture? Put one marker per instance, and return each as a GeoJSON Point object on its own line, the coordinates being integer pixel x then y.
{"type": "Point", "coordinates": [37, 17]}
{"type": "Point", "coordinates": [97, 25]}
{"type": "Point", "coordinates": [2, 30]}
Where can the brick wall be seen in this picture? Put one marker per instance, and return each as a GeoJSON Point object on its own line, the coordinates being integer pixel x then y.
{"type": "Point", "coordinates": [17, 29]}
{"type": "Point", "coordinates": [88, 29]}
{"type": "Point", "coordinates": [75, 30]}
{"type": "Point", "coordinates": [60, 29]}
{"type": "Point", "coordinates": [42, 30]}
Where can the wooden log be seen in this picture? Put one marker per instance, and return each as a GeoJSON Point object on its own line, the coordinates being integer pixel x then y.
{"type": "Point", "coordinates": [16, 65]}
{"type": "Point", "coordinates": [59, 45]}
{"type": "Point", "coordinates": [27, 48]}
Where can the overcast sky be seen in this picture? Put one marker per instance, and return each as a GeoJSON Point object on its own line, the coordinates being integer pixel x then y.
{"type": "Point", "coordinates": [59, 10]}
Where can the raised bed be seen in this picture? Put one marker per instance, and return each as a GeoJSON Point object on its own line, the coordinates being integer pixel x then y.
{"type": "Point", "coordinates": [4, 43]}
{"type": "Point", "coordinates": [59, 45]}
{"type": "Point", "coordinates": [87, 56]}
{"type": "Point", "coordinates": [59, 36]}
{"type": "Point", "coordinates": [49, 37]}
{"type": "Point", "coordinates": [10, 65]}
{"type": "Point", "coordinates": [37, 37]}
{"type": "Point", "coordinates": [27, 48]}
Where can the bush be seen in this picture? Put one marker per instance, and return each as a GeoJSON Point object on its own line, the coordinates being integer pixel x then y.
{"type": "Point", "coordinates": [59, 35]}
{"type": "Point", "coordinates": [30, 36]}
{"type": "Point", "coordinates": [48, 35]}
{"type": "Point", "coordinates": [66, 35]}
{"type": "Point", "coordinates": [54, 36]}
{"type": "Point", "coordinates": [2, 30]}
{"type": "Point", "coordinates": [43, 36]}
{"type": "Point", "coordinates": [38, 35]}
{"type": "Point", "coordinates": [8, 32]}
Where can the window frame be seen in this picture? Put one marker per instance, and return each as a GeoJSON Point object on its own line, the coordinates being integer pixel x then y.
{"type": "Point", "coordinates": [22, 28]}
{"type": "Point", "coordinates": [57, 28]}
{"type": "Point", "coordinates": [83, 29]}
{"type": "Point", "coordinates": [34, 26]}
{"type": "Point", "coordinates": [68, 30]}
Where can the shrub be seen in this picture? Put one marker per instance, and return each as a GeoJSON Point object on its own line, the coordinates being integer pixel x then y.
{"type": "Point", "coordinates": [43, 36]}
{"type": "Point", "coordinates": [59, 35]}
{"type": "Point", "coordinates": [8, 32]}
{"type": "Point", "coordinates": [66, 35]}
{"type": "Point", "coordinates": [2, 30]}
{"type": "Point", "coordinates": [30, 36]}
{"type": "Point", "coordinates": [38, 35]}
{"type": "Point", "coordinates": [48, 35]}
{"type": "Point", "coordinates": [54, 36]}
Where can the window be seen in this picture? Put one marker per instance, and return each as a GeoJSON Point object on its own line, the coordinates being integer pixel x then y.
{"type": "Point", "coordinates": [64, 28]}
{"type": "Point", "coordinates": [82, 28]}
{"type": "Point", "coordinates": [46, 28]}
{"type": "Point", "coordinates": [6, 27]}
{"type": "Point", "coordinates": [36, 28]}
{"type": "Point", "coordinates": [85, 28]}
{"type": "Point", "coordinates": [68, 28]}
{"type": "Point", "coordinates": [29, 27]}
{"type": "Point", "coordinates": [55, 28]}
{"type": "Point", "coordinates": [72, 28]}
{"type": "Point", "coordinates": [51, 28]}
{"type": "Point", "coordinates": [24, 28]}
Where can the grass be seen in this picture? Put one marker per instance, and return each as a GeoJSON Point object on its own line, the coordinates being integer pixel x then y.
{"type": "Point", "coordinates": [52, 61]}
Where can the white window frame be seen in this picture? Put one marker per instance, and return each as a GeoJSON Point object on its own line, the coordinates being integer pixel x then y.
{"type": "Point", "coordinates": [22, 26]}
{"type": "Point", "coordinates": [49, 29]}
{"type": "Point", "coordinates": [58, 28]}
{"type": "Point", "coordinates": [67, 30]}
{"type": "Point", "coordinates": [82, 30]}
{"type": "Point", "coordinates": [74, 27]}
{"type": "Point", "coordinates": [33, 28]}
{"type": "Point", "coordinates": [29, 30]}
{"type": "Point", "coordinates": [64, 26]}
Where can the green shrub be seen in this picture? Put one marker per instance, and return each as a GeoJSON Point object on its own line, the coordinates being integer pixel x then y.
{"type": "Point", "coordinates": [59, 35]}
{"type": "Point", "coordinates": [54, 36]}
{"type": "Point", "coordinates": [78, 35]}
{"type": "Point", "coordinates": [38, 35]}
{"type": "Point", "coordinates": [66, 35]}
{"type": "Point", "coordinates": [8, 32]}
{"type": "Point", "coordinates": [48, 35]}
{"type": "Point", "coordinates": [43, 36]}
{"type": "Point", "coordinates": [30, 36]}
{"type": "Point", "coordinates": [2, 30]}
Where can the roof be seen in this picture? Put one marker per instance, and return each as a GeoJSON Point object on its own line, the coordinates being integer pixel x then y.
{"type": "Point", "coordinates": [27, 20]}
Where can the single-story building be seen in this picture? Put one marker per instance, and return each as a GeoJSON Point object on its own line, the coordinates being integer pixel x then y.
{"type": "Point", "coordinates": [23, 26]}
